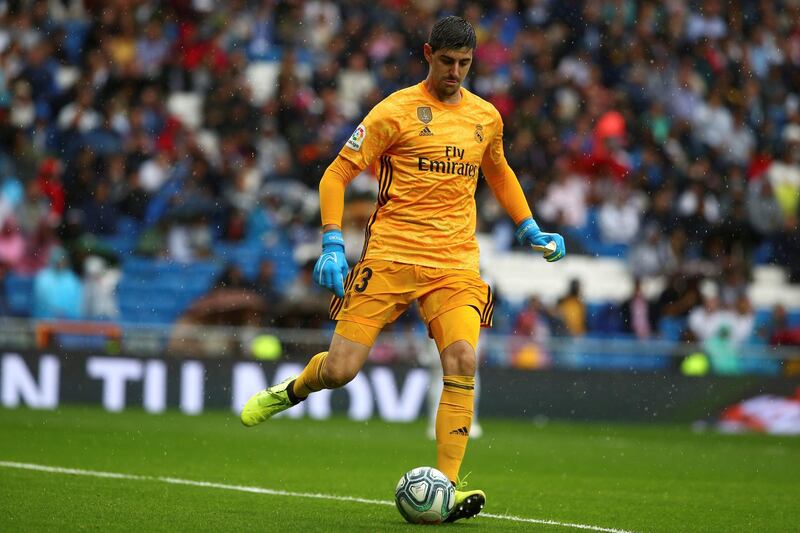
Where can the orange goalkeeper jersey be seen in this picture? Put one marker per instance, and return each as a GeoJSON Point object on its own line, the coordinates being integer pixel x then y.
{"type": "Point", "coordinates": [427, 155]}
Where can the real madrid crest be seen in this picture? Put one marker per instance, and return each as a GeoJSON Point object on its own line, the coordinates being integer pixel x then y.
{"type": "Point", "coordinates": [479, 133]}
{"type": "Point", "coordinates": [424, 114]}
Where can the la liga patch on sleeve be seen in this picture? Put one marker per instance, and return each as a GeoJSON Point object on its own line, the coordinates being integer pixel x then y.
{"type": "Point", "coordinates": [357, 138]}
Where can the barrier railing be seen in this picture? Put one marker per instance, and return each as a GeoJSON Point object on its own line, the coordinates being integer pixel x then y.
{"type": "Point", "coordinates": [410, 346]}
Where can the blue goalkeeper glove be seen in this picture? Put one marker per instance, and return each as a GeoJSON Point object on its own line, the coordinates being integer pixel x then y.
{"type": "Point", "coordinates": [331, 268]}
{"type": "Point", "coordinates": [550, 244]}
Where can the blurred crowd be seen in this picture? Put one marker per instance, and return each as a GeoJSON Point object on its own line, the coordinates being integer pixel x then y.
{"type": "Point", "coordinates": [664, 132]}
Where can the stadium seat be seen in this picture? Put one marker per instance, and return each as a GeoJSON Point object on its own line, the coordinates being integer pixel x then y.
{"type": "Point", "coordinates": [19, 291]}
{"type": "Point", "coordinates": [671, 328]}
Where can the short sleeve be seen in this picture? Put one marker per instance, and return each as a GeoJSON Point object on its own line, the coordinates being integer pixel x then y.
{"type": "Point", "coordinates": [372, 137]}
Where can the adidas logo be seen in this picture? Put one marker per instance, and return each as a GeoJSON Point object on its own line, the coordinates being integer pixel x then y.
{"type": "Point", "coordinates": [463, 431]}
{"type": "Point", "coordinates": [425, 132]}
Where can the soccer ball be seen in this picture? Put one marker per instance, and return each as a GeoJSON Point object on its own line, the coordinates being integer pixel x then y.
{"type": "Point", "coordinates": [424, 496]}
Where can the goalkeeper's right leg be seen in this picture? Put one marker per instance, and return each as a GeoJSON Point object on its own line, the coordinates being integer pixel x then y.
{"type": "Point", "coordinates": [326, 370]}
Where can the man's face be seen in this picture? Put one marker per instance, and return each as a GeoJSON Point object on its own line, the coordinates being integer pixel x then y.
{"type": "Point", "coordinates": [448, 68]}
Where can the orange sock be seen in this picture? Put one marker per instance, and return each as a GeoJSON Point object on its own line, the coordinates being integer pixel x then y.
{"type": "Point", "coordinates": [453, 421]}
{"type": "Point", "coordinates": [310, 379]}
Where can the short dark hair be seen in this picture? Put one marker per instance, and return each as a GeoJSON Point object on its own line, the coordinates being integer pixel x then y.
{"type": "Point", "coordinates": [452, 33]}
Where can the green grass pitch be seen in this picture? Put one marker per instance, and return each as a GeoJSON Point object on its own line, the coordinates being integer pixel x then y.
{"type": "Point", "coordinates": [632, 478]}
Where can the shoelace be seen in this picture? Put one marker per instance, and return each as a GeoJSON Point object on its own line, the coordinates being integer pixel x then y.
{"type": "Point", "coordinates": [461, 483]}
{"type": "Point", "coordinates": [280, 399]}
{"type": "Point", "coordinates": [272, 396]}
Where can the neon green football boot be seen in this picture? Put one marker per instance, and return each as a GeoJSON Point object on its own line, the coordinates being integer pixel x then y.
{"type": "Point", "coordinates": [468, 502]}
{"type": "Point", "coordinates": [267, 403]}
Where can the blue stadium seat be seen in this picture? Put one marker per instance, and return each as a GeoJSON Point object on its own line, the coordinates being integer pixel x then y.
{"type": "Point", "coordinates": [19, 291]}
{"type": "Point", "coordinates": [158, 291]}
{"type": "Point", "coordinates": [610, 362]}
{"type": "Point", "coordinates": [671, 328]}
{"type": "Point", "coordinates": [763, 253]}
{"type": "Point", "coordinates": [123, 245]}
{"type": "Point", "coordinates": [604, 318]}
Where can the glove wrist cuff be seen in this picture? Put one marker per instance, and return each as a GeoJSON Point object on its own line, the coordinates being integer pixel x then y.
{"type": "Point", "coordinates": [524, 227]}
{"type": "Point", "coordinates": [332, 238]}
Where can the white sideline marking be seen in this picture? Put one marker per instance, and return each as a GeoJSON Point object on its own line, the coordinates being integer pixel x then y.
{"type": "Point", "coordinates": [273, 492]}
{"type": "Point", "coordinates": [552, 523]}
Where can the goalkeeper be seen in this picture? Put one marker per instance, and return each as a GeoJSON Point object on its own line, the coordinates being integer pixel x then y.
{"type": "Point", "coordinates": [428, 144]}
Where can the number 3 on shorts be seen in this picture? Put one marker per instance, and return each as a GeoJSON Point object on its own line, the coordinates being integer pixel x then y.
{"type": "Point", "coordinates": [366, 274]}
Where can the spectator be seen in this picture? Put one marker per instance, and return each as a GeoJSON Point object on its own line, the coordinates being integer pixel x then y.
{"type": "Point", "coordinates": [731, 326]}
{"type": "Point", "coordinates": [23, 110]}
{"type": "Point", "coordinates": [190, 239]}
{"type": "Point", "coordinates": [763, 52]}
{"type": "Point", "coordinates": [50, 185]}
{"type": "Point", "coordinates": [322, 20]}
{"type": "Point", "coordinates": [788, 247]}
{"type": "Point", "coordinates": [80, 115]}
{"type": "Point", "coordinates": [706, 320]}
{"type": "Point", "coordinates": [706, 22]}
{"type": "Point", "coordinates": [154, 172]}
{"type": "Point", "coordinates": [99, 289]}
{"type": "Point", "coordinates": [713, 122]}
{"type": "Point", "coordinates": [572, 310]}
{"type": "Point", "coordinates": [12, 245]}
{"type": "Point", "coordinates": [784, 174]}
{"type": "Point", "coordinates": [638, 314]}
{"type": "Point", "coordinates": [39, 68]}
{"type": "Point", "coordinates": [39, 248]}
{"type": "Point", "coordinates": [264, 283]}
{"type": "Point", "coordinates": [700, 210]}
{"type": "Point", "coordinates": [684, 91]}
{"type": "Point", "coordinates": [732, 284]}
{"type": "Point", "coordinates": [272, 149]}
{"type": "Point", "coordinates": [152, 49]}
{"type": "Point", "coordinates": [57, 291]}
{"type": "Point", "coordinates": [232, 277]}
{"type": "Point", "coordinates": [99, 212]}
{"type": "Point", "coordinates": [722, 351]}
{"type": "Point", "coordinates": [743, 325]}
{"type": "Point", "coordinates": [662, 214]}
{"type": "Point", "coordinates": [355, 81]}
{"type": "Point", "coordinates": [735, 234]}
{"type": "Point", "coordinates": [619, 217]}
{"type": "Point", "coordinates": [246, 182]}
{"type": "Point", "coordinates": [778, 332]}
{"type": "Point", "coordinates": [679, 297]}
{"type": "Point", "coordinates": [34, 211]}
{"type": "Point", "coordinates": [533, 322]}
{"type": "Point", "coordinates": [654, 99]}
{"type": "Point", "coordinates": [763, 210]}
{"type": "Point", "coordinates": [652, 255]}
{"type": "Point", "coordinates": [305, 300]}
{"type": "Point", "coordinates": [565, 203]}
{"type": "Point", "coordinates": [741, 143]}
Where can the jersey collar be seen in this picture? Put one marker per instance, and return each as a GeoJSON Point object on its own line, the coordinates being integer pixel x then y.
{"type": "Point", "coordinates": [439, 103]}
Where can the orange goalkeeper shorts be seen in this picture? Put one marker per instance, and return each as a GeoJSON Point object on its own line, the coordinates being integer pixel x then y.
{"type": "Point", "coordinates": [378, 291]}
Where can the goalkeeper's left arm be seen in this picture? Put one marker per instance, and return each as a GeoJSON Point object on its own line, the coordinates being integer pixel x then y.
{"type": "Point", "coordinates": [508, 191]}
